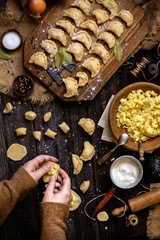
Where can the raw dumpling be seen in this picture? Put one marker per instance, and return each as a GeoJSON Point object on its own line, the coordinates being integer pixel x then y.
{"type": "Point", "coordinates": [87, 124]}
{"type": "Point", "coordinates": [83, 79]}
{"type": "Point", "coordinates": [57, 34]}
{"type": "Point", "coordinates": [108, 38]}
{"type": "Point", "coordinates": [71, 87]}
{"type": "Point", "coordinates": [101, 15]}
{"type": "Point", "coordinates": [75, 14]}
{"type": "Point", "coordinates": [77, 50]}
{"type": "Point", "coordinates": [126, 16]}
{"type": "Point", "coordinates": [116, 27]}
{"type": "Point", "coordinates": [91, 25]}
{"type": "Point", "coordinates": [83, 37]}
{"type": "Point", "coordinates": [76, 201]}
{"type": "Point", "coordinates": [49, 46]}
{"type": "Point", "coordinates": [66, 25]}
{"type": "Point", "coordinates": [88, 152]}
{"type": "Point", "coordinates": [77, 164]}
{"type": "Point", "coordinates": [111, 5]}
{"type": "Point", "coordinates": [84, 5]}
{"type": "Point", "coordinates": [40, 59]}
{"type": "Point", "coordinates": [93, 65]}
{"type": "Point", "coordinates": [100, 50]}
{"type": "Point", "coordinates": [84, 186]}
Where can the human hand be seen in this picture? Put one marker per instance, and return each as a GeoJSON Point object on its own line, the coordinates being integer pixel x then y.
{"type": "Point", "coordinates": [63, 195]}
{"type": "Point", "coordinates": [35, 169]}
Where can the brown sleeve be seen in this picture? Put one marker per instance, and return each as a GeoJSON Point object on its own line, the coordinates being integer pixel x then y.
{"type": "Point", "coordinates": [13, 191]}
{"type": "Point", "coordinates": [54, 217]}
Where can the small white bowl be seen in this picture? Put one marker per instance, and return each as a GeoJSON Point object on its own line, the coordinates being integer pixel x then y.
{"type": "Point", "coordinates": [127, 170]}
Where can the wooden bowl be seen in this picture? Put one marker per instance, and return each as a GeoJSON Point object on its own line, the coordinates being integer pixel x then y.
{"type": "Point", "coordinates": [150, 144]}
{"type": "Point", "coordinates": [23, 85]}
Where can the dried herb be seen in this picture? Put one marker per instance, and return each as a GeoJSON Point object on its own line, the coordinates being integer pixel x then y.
{"type": "Point", "coordinates": [4, 55]}
{"type": "Point", "coordinates": [62, 56]}
{"type": "Point", "coordinates": [118, 51]}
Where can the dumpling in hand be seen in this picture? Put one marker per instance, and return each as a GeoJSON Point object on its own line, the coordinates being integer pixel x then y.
{"type": "Point", "coordinates": [49, 46]}
{"type": "Point", "coordinates": [66, 25]}
{"type": "Point", "coordinates": [101, 15]}
{"type": "Point", "coordinates": [83, 79]}
{"type": "Point", "coordinates": [126, 16]}
{"type": "Point", "coordinates": [108, 38]}
{"type": "Point", "coordinates": [111, 5]}
{"type": "Point", "coordinates": [116, 27]}
{"type": "Point", "coordinates": [87, 124]}
{"type": "Point", "coordinates": [83, 37]}
{"type": "Point", "coordinates": [100, 50]}
{"type": "Point", "coordinates": [84, 5]}
{"type": "Point", "coordinates": [91, 25]}
{"type": "Point", "coordinates": [40, 59]}
{"type": "Point", "coordinates": [57, 34]}
{"type": "Point", "coordinates": [88, 152]}
{"type": "Point", "coordinates": [71, 87]}
{"type": "Point", "coordinates": [93, 65]}
{"type": "Point", "coordinates": [77, 50]}
{"type": "Point", "coordinates": [74, 14]}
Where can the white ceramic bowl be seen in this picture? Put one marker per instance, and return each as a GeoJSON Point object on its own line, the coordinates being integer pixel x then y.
{"type": "Point", "coordinates": [126, 173]}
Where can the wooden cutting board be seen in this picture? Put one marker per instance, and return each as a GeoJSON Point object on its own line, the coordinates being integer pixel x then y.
{"type": "Point", "coordinates": [130, 39]}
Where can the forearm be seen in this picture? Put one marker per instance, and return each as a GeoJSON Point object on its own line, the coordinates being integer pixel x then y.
{"type": "Point", "coordinates": [13, 191]}
{"type": "Point", "coordinates": [54, 217]}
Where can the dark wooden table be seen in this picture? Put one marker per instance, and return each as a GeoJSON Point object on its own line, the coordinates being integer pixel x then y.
{"type": "Point", "coordinates": [24, 221]}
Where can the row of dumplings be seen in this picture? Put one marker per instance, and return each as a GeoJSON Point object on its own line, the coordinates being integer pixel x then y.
{"type": "Point", "coordinates": [83, 38]}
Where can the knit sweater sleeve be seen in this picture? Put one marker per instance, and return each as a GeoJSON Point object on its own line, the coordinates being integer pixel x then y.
{"type": "Point", "coordinates": [14, 190]}
{"type": "Point", "coordinates": [54, 217]}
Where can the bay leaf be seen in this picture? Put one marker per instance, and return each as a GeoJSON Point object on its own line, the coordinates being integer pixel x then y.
{"type": "Point", "coordinates": [118, 51]}
{"type": "Point", "coordinates": [58, 59]}
{"type": "Point", "coordinates": [4, 55]}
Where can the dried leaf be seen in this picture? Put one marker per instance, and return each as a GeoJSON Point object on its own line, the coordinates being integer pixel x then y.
{"type": "Point", "coordinates": [58, 59]}
{"type": "Point", "coordinates": [118, 51]}
{"type": "Point", "coordinates": [4, 55]}
{"type": "Point", "coordinates": [62, 56]}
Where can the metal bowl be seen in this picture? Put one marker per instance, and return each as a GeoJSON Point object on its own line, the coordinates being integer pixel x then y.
{"type": "Point", "coordinates": [129, 182]}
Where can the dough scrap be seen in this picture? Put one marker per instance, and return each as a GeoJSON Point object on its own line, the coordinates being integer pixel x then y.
{"type": "Point", "coordinates": [52, 172]}
{"type": "Point", "coordinates": [87, 124]}
{"type": "Point", "coordinates": [88, 151]}
{"type": "Point", "coordinates": [47, 116]}
{"type": "Point", "coordinates": [8, 108]}
{"type": "Point", "coordinates": [64, 127]}
{"type": "Point", "coordinates": [30, 115]}
{"type": "Point", "coordinates": [102, 216]}
{"type": "Point", "coordinates": [37, 135]}
{"type": "Point", "coordinates": [77, 164]}
{"type": "Point", "coordinates": [40, 59]}
{"type": "Point", "coordinates": [76, 201]}
{"type": "Point", "coordinates": [50, 133]}
{"type": "Point", "coordinates": [84, 186]}
{"type": "Point", "coordinates": [21, 131]}
{"type": "Point", "coordinates": [16, 152]}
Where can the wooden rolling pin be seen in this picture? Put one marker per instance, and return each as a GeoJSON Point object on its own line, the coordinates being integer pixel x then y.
{"type": "Point", "coordinates": [140, 202]}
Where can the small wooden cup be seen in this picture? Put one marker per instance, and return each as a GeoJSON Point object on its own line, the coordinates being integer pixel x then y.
{"type": "Point", "coordinates": [23, 85]}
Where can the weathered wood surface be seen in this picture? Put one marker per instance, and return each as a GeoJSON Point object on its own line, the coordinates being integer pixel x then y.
{"type": "Point", "coordinates": [130, 39]}
{"type": "Point", "coordinates": [24, 222]}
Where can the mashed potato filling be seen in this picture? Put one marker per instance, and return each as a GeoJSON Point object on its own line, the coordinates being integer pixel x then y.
{"type": "Point", "coordinates": [139, 113]}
